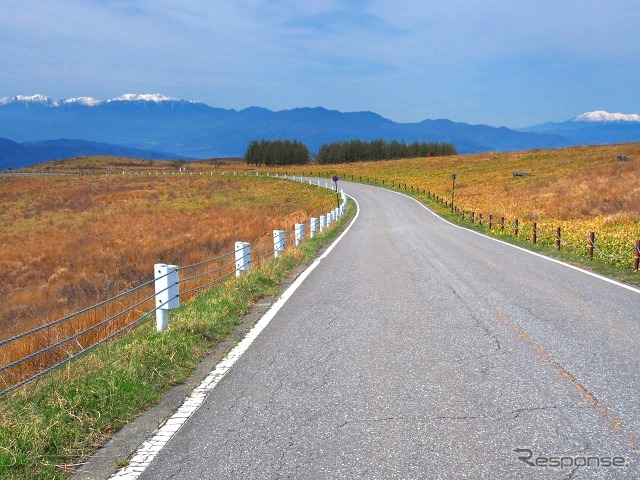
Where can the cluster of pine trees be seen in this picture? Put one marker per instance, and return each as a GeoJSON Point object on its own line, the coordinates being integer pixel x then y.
{"type": "Point", "coordinates": [358, 150]}
{"type": "Point", "coordinates": [278, 152]}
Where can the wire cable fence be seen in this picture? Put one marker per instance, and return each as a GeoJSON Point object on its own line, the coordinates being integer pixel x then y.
{"type": "Point", "coordinates": [29, 355]}
{"type": "Point", "coordinates": [578, 241]}
{"type": "Point", "coordinates": [581, 242]}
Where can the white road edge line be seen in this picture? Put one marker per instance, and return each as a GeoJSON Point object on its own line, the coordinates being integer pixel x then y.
{"type": "Point", "coordinates": [152, 446]}
{"type": "Point", "coordinates": [559, 262]}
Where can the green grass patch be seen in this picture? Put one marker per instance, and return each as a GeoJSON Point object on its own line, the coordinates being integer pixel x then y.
{"type": "Point", "coordinates": [49, 426]}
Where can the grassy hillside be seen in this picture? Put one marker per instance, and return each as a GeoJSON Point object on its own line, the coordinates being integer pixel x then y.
{"type": "Point", "coordinates": [109, 164]}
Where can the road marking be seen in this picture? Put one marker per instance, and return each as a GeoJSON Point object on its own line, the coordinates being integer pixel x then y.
{"type": "Point", "coordinates": [152, 446]}
{"type": "Point", "coordinates": [588, 396]}
{"type": "Point", "coordinates": [559, 262]}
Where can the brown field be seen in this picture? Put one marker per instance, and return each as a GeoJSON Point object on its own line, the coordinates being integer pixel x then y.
{"type": "Point", "coordinates": [108, 164]}
{"type": "Point", "coordinates": [69, 242]}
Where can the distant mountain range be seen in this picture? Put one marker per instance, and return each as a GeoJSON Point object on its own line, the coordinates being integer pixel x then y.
{"type": "Point", "coordinates": [162, 125]}
{"type": "Point", "coordinates": [17, 155]}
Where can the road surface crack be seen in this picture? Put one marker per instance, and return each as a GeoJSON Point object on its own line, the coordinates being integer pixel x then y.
{"type": "Point", "coordinates": [498, 416]}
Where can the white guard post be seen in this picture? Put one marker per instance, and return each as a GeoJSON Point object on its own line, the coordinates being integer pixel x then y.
{"type": "Point", "coordinates": [167, 293]}
{"type": "Point", "coordinates": [323, 222]}
{"type": "Point", "coordinates": [243, 257]}
{"type": "Point", "coordinates": [278, 242]}
{"type": "Point", "coordinates": [299, 229]}
{"type": "Point", "coordinates": [313, 227]}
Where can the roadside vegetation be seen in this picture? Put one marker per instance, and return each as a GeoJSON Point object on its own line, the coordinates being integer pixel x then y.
{"type": "Point", "coordinates": [49, 427]}
{"type": "Point", "coordinates": [74, 240]}
{"type": "Point", "coordinates": [70, 242]}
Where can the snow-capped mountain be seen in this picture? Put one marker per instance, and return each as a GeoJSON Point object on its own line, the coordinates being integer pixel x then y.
{"type": "Point", "coordinates": [144, 97]}
{"type": "Point", "coordinates": [593, 128]}
{"type": "Point", "coordinates": [602, 116]}
{"type": "Point", "coordinates": [25, 99]}
{"type": "Point", "coordinates": [90, 101]}
{"type": "Point", "coordinates": [85, 101]}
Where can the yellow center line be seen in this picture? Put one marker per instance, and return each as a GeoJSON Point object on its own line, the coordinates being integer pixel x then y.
{"type": "Point", "coordinates": [617, 424]}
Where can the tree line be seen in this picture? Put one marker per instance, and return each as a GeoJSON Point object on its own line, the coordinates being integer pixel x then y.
{"type": "Point", "coordinates": [278, 152]}
{"type": "Point", "coordinates": [358, 150]}
{"type": "Point", "coordinates": [294, 152]}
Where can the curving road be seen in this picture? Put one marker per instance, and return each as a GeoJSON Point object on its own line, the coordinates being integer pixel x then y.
{"type": "Point", "coordinates": [417, 349]}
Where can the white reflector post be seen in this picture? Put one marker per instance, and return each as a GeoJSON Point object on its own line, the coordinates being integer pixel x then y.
{"type": "Point", "coordinates": [299, 229]}
{"type": "Point", "coordinates": [278, 242]}
{"type": "Point", "coordinates": [243, 257]}
{"type": "Point", "coordinates": [167, 293]}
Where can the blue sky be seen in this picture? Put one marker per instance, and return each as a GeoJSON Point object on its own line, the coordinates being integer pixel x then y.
{"type": "Point", "coordinates": [499, 62]}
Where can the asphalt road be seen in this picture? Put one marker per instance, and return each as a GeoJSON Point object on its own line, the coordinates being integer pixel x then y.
{"type": "Point", "coordinates": [417, 349]}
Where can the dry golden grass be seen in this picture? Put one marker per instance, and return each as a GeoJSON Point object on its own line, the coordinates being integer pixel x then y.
{"type": "Point", "coordinates": [105, 164]}
{"type": "Point", "coordinates": [70, 242]}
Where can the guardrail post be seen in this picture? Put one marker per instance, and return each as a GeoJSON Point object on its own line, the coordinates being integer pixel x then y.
{"type": "Point", "coordinates": [313, 227]}
{"type": "Point", "coordinates": [243, 257]}
{"type": "Point", "coordinates": [535, 233]}
{"type": "Point", "coordinates": [299, 232]}
{"type": "Point", "coordinates": [517, 224]}
{"type": "Point", "coordinates": [167, 293]}
{"type": "Point", "coordinates": [278, 242]}
{"type": "Point", "coordinates": [558, 238]}
{"type": "Point", "coordinates": [592, 243]}
{"type": "Point", "coordinates": [323, 222]}
{"type": "Point", "coordinates": [636, 260]}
